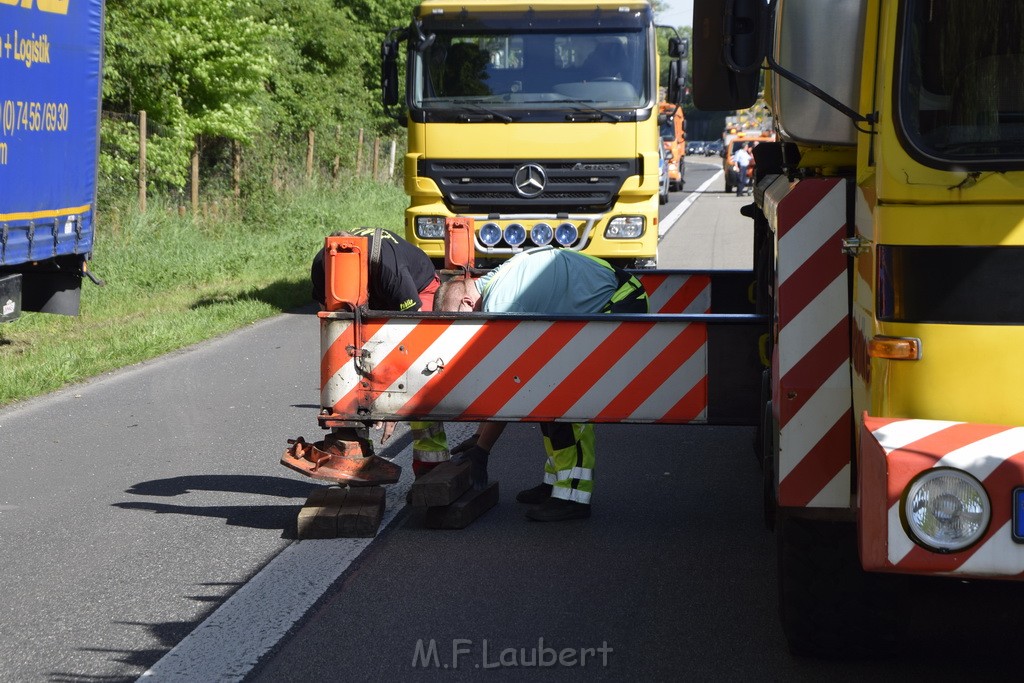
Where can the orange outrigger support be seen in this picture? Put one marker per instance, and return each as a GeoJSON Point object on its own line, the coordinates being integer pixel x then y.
{"type": "Point", "coordinates": [346, 454]}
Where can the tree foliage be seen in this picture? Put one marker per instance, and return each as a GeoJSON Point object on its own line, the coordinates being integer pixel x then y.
{"type": "Point", "coordinates": [240, 70]}
{"type": "Point", "coordinates": [257, 72]}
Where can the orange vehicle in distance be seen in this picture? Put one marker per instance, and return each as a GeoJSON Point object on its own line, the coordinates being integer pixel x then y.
{"type": "Point", "coordinates": [672, 129]}
{"type": "Point", "coordinates": [733, 141]}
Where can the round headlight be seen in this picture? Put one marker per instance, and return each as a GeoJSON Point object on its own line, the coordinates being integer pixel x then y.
{"type": "Point", "coordinates": [566, 234]}
{"type": "Point", "coordinates": [490, 234]}
{"type": "Point", "coordinates": [541, 234]}
{"type": "Point", "coordinates": [946, 509]}
{"type": "Point", "coordinates": [515, 234]}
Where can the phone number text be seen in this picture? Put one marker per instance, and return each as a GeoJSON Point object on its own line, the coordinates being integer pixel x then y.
{"type": "Point", "coordinates": [17, 116]}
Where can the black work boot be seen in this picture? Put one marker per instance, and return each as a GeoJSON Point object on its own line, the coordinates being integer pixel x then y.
{"type": "Point", "coordinates": [558, 510]}
{"type": "Point", "coordinates": [538, 494]}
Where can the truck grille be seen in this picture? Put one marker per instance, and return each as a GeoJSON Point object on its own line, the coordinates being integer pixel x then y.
{"type": "Point", "coordinates": [489, 186]}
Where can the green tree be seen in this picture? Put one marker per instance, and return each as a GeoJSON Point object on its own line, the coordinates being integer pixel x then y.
{"type": "Point", "coordinates": [197, 67]}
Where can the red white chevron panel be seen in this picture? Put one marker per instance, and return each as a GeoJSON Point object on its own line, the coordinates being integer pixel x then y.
{"type": "Point", "coordinates": [893, 451]}
{"type": "Point", "coordinates": [503, 367]}
{"type": "Point", "coordinates": [810, 364]}
{"type": "Point", "coordinates": [670, 292]}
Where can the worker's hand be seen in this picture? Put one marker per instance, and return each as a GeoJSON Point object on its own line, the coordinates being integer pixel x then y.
{"type": "Point", "coordinates": [389, 429]}
{"type": "Point", "coordinates": [477, 457]}
{"type": "Point", "coordinates": [465, 445]}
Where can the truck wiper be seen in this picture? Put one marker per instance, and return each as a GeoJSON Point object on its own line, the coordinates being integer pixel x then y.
{"type": "Point", "coordinates": [490, 112]}
{"type": "Point", "coordinates": [602, 114]}
{"type": "Point", "coordinates": [475, 107]}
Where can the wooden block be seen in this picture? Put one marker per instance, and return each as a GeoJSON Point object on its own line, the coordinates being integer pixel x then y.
{"type": "Point", "coordinates": [458, 515]}
{"type": "Point", "coordinates": [361, 514]}
{"type": "Point", "coordinates": [319, 517]}
{"type": "Point", "coordinates": [442, 485]}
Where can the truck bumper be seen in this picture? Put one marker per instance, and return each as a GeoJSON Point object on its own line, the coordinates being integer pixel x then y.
{"type": "Point", "coordinates": [10, 297]}
{"type": "Point", "coordinates": [894, 451]}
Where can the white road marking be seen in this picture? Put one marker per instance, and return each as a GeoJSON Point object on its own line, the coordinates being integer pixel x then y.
{"type": "Point", "coordinates": [670, 220]}
{"type": "Point", "coordinates": [248, 624]}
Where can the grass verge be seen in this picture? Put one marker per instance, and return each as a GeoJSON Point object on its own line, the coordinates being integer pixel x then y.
{"type": "Point", "coordinates": [173, 281]}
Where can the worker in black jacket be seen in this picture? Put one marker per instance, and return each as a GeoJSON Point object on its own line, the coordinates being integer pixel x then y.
{"type": "Point", "coordinates": [403, 280]}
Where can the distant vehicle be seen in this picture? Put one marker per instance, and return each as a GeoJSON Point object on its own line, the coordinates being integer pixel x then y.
{"type": "Point", "coordinates": [672, 124]}
{"type": "Point", "coordinates": [714, 147]}
{"type": "Point", "coordinates": [696, 147]}
{"type": "Point", "coordinates": [731, 145]}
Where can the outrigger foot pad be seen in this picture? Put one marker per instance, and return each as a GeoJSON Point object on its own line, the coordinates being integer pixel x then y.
{"type": "Point", "coordinates": [339, 461]}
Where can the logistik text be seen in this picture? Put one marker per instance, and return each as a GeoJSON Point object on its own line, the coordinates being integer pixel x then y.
{"type": "Point", "coordinates": [31, 50]}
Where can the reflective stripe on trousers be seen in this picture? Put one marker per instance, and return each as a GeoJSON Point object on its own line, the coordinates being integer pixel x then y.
{"type": "Point", "coordinates": [570, 465]}
{"type": "Point", "coordinates": [430, 444]}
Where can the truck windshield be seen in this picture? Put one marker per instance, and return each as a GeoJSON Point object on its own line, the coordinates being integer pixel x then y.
{"type": "Point", "coordinates": [960, 101]}
{"type": "Point", "coordinates": [534, 61]}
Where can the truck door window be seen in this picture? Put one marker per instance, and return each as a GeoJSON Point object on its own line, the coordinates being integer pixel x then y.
{"type": "Point", "coordinates": [960, 86]}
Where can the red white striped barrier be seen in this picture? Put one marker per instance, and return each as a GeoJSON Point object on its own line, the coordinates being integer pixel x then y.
{"type": "Point", "coordinates": [585, 370]}
{"type": "Point", "coordinates": [810, 365]}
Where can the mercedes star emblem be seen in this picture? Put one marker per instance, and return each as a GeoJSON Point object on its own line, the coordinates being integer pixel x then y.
{"type": "Point", "coordinates": [529, 180]}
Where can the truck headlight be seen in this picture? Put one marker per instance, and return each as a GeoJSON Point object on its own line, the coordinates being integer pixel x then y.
{"type": "Point", "coordinates": [566, 234]}
{"type": "Point", "coordinates": [515, 234]}
{"type": "Point", "coordinates": [541, 234]}
{"type": "Point", "coordinates": [430, 227]}
{"type": "Point", "coordinates": [490, 234]}
{"type": "Point", "coordinates": [625, 228]}
{"type": "Point", "coordinates": [946, 509]}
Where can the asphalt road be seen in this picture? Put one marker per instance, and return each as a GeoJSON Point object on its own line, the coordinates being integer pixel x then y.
{"type": "Point", "coordinates": [146, 528]}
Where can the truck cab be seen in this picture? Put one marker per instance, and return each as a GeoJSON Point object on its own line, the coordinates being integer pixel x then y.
{"type": "Point", "coordinates": [539, 120]}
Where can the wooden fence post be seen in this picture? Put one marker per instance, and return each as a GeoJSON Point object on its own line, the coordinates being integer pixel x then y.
{"type": "Point", "coordinates": [195, 178]}
{"type": "Point", "coordinates": [309, 155]}
{"type": "Point", "coordinates": [391, 165]}
{"type": "Point", "coordinates": [142, 161]}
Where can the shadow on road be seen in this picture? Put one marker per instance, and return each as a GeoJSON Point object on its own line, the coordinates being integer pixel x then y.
{"type": "Point", "coordinates": [283, 295]}
{"type": "Point", "coordinates": [251, 516]}
{"type": "Point", "coordinates": [168, 634]}
{"type": "Point", "coordinates": [230, 483]}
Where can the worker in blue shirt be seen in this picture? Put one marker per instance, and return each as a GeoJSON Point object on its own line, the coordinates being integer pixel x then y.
{"type": "Point", "coordinates": [546, 280]}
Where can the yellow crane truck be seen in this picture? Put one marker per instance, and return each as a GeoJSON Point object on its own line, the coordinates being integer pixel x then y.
{"type": "Point", "coordinates": [537, 119]}
{"type": "Point", "coordinates": [889, 219]}
{"type": "Point", "coordinates": [874, 345]}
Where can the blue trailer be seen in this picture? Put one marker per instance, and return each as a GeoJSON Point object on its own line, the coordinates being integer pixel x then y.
{"type": "Point", "coordinates": [51, 63]}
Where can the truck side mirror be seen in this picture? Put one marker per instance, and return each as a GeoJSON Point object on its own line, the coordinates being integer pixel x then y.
{"type": "Point", "coordinates": [674, 94]}
{"type": "Point", "coordinates": [389, 73]}
{"type": "Point", "coordinates": [678, 48]}
{"type": "Point", "coordinates": [729, 47]}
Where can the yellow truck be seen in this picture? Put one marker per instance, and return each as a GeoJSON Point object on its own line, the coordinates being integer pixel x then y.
{"type": "Point", "coordinates": [874, 345]}
{"type": "Point", "coordinates": [889, 227]}
{"type": "Point", "coordinates": [537, 119]}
